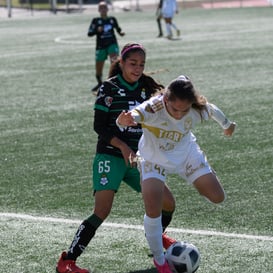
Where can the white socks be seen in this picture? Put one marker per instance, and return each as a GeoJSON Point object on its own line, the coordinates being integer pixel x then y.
{"type": "Point", "coordinates": [168, 29]}
{"type": "Point", "coordinates": [153, 233]}
{"type": "Point", "coordinates": [174, 26]}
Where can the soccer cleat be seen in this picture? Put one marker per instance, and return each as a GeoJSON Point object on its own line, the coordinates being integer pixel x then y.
{"type": "Point", "coordinates": [167, 241]}
{"type": "Point", "coordinates": [177, 32]}
{"type": "Point", "coordinates": [68, 266]}
{"type": "Point", "coordinates": [163, 268]}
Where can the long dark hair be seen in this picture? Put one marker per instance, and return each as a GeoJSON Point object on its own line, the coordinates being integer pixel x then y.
{"type": "Point", "coordinates": [147, 80]}
{"type": "Point", "coordinates": [182, 88]}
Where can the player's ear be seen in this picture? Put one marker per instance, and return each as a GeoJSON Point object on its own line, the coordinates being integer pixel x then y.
{"type": "Point", "coordinates": [121, 63]}
{"type": "Point", "coordinates": [165, 98]}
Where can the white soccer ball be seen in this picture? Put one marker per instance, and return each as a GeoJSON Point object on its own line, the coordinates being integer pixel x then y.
{"type": "Point", "coordinates": [183, 257]}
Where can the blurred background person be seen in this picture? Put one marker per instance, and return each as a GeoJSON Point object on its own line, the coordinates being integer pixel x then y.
{"type": "Point", "coordinates": [169, 8]}
{"type": "Point", "coordinates": [106, 43]}
{"type": "Point", "coordinates": [159, 17]}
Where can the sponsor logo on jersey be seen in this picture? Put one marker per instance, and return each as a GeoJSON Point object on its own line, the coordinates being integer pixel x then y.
{"type": "Point", "coordinates": [164, 123]}
{"type": "Point", "coordinates": [165, 134]}
{"type": "Point", "coordinates": [121, 92]}
{"type": "Point", "coordinates": [107, 28]}
{"type": "Point", "coordinates": [191, 170]}
{"type": "Point", "coordinates": [134, 130]}
{"type": "Point", "coordinates": [172, 135]}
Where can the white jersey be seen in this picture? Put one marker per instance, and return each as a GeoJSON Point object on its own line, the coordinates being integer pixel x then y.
{"type": "Point", "coordinates": [169, 7]}
{"type": "Point", "coordinates": [167, 141]}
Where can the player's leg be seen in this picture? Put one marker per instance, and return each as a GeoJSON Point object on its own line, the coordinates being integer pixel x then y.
{"type": "Point", "coordinates": [107, 176]}
{"type": "Point", "coordinates": [158, 20]}
{"type": "Point", "coordinates": [86, 231]}
{"type": "Point", "coordinates": [132, 178]}
{"type": "Point", "coordinates": [113, 52]}
{"type": "Point", "coordinates": [201, 175]}
{"type": "Point", "coordinates": [152, 192]}
{"type": "Point", "coordinates": [168, 27]}
{"type": "Point", "coordinates": [153, 187]}
{"type": "Point", "coordinates": [173, 25]}
{"type": "Point", "coordinates": [167, 208]}
{"type": "Point", "coordinates": [101, 56]}
{"type": "Point", "coordinates": [99, 69]}
{"type": "Point", "coordinates": [210, 187]}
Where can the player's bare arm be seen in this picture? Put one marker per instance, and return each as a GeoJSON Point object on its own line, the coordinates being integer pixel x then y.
{"type": "Point", "coordinates": [124, 148]}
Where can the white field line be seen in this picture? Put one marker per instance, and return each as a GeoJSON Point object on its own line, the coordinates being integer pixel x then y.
{"type": "Point", "coordinates": [73, 40]}
{"type": "Point", "coordinates": [135, 227]}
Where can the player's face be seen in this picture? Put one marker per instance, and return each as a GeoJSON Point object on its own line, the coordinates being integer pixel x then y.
{"type": "Point", "coordinates": [103, 9]}
{"type": "Point", "coordinates": [133, 67]}
{"type": "Point", "coordinates": [177, 108]}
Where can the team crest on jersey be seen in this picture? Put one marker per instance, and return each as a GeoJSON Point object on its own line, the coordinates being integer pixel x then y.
{"type": "Point", "coordinates": [108, 101]}
{"type": "Point", "coordinates": [149, 108]}
{"type": "Point", "coordinates": [143, 93]}
{"type": "Point", "coordinates": [103, 180]}
{"type": "Point", "coordinates": [188, 124]}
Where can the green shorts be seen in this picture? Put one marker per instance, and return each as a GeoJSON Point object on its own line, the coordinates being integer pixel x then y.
{"type": "Point", "coordinates": [101, 54]}
{"type": "Point", "coordinates": [109, 171]}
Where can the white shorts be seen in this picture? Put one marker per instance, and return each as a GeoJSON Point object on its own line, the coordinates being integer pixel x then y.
{"type": "Point", "coordinates": [194, 166]}
{"type": "Point", "coordinates": [168, 13]}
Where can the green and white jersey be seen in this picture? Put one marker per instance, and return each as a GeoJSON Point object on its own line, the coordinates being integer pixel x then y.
{"type": "Point", "coordinates": [107, 36]}
{"type": "Point", "coordinates": [116, 95]}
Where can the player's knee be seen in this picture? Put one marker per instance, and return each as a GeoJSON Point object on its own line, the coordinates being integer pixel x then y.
{"type": "Point", "coordinates": [216, 199]}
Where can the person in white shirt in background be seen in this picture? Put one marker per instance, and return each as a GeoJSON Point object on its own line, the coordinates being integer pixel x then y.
{"type": "Point", "coordinates": [168, 146]}
{"type": "Point", "coordinates": [169, 8]}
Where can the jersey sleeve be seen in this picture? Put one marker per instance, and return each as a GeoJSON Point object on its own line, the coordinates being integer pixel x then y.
{"type": "Point", "coordinates": [146, 111]}
{"type": "Point", "coordinates": [116, 25]}
{"type": "Point", "coordinates": [216, 114]}
{"type": "Point", "coordinates": [101, 114]}
{"type": "Point", "coordinates": [92, 28]}
{"type": "Point", "coordinates": [138, 116]}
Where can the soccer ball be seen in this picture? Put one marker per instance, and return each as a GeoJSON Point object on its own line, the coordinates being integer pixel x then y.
{"type": "Point", "coordinates": [183, 257]}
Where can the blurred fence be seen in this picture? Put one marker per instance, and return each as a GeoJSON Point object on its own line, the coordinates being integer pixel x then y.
{"type": "Point", "coordinates": [79, 5]}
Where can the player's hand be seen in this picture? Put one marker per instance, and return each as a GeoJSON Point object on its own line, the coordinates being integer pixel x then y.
{"type": "Point", "coordinates": [229, 131]}
{"type": "Point", "coordinates": [100, 29]}
{"type": "Point", "coordinates": [133, 159]}
{"type": "Point", "coordinates": [122, 33]}
{"type": "Point", "coordinates": [128, 155]}
{"type": "Point", "coordinates": [126, 119]}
